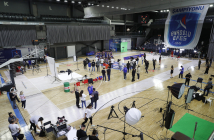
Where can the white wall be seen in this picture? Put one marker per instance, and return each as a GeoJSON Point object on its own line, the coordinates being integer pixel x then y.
{"type": "Point", "coordinates": [129, 42]}
{"type": "Point", "coordinates": [71, 51]}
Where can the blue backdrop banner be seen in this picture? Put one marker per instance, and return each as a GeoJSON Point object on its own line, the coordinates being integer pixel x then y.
{"type": "Point", "coordinates": [183, 26]}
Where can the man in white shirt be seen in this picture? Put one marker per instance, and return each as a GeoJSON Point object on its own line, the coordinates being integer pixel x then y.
{"type": "Point", "coordinates": [34, 122]}
{"type": "Point", "coordinates": [101, 60]}
{"type": "Point", "coordinates": [112, 62]}
{"type": "Point", "coordinates": [14, 129]}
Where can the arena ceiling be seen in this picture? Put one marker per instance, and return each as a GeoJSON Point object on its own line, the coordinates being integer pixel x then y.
{"type": "Point", "coordinates": [119, 7]}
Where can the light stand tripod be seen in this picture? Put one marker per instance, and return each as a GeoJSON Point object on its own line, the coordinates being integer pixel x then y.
{"type": "Point", "coordinates": [77, 64]}
{"type": "Point", "coordinates": [111, 115]}
{"type": "Point", "coordinates": [47, 70]}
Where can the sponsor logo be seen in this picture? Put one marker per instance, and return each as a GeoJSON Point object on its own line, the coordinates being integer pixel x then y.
{"type": "Point", "coordinates": [66, 88]}
{"type": "Point", "coordinates": [188, 9]}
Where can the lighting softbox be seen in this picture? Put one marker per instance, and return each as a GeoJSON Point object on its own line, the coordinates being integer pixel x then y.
{"type": "Point", "coordinates": [177, 90]}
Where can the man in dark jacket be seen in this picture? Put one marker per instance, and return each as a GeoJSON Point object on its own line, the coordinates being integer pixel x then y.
{"type": "Point", "coordinates": [133, 74]}
{"type": "Point", "coordinates": [77, 94]}
{"type": "Point", "coordinates": [188, 76]}
{"type": "Point", "coordinates": [109, 73]}
{"type": "Point", "coordinates": [95, 97]}
{"type": "Point", "coordinates": [12, 98]}
{"type": "Point", "coordinates": [104, 74]}
{"type": "Point", "coordinates": [199, 64]}
{"type": "Point", "coordinates": [154, 63]}
{"type": "Point", "coordinates": [93, 65]}
{"type": "Point", "coordinates": [128, 66]}
{"type": "Point", "coordinates": [81, 133]}
{"type": "Point", "coordinates": [85, 64]}
{"type": "Point", "coordinates": [147, 66]}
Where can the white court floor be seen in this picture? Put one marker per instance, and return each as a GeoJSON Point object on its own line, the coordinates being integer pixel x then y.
{"type": "Point", "coordinates": [50, 112]}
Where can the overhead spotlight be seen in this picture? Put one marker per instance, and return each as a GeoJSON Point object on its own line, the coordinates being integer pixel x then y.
{"type": "Point", "coordinates": [102, 5]}
{"type": "Point", "coordinates": [108, 6]}
{"type": "Point", "coordinates": [112, 7]}
{"type": "Point", "coordinates": [117, 7]}
{"type": "Point", "coordinates": [92, 4]}
{"type": "Point", "coordinates": [79, 2]}
{"type": "Point", "coordinates": [72, 1]}
{"type": "Point", "coordinates": [167, 10]}
{"type": "Point", "coordinates": [97, 5]}
{"type": "Point", "coordinates": [121, 8]}
{"type": "Point", "coordinates": [164, 10]}
{"type": "Point", "coordinates": [89, 4]}
{"type": "Point", "coordinates": [211, 5]}
{"type": "Point", "coordinates": [57, 0]}
{"type": "Point", "coordinates": [129, 9]}
{"type": "Point", "coordinates": [65, 1]}
{"type": "Point", "coordinates": [161, 11]}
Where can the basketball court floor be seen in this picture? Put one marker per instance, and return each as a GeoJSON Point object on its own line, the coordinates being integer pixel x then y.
{"type": "Point", "coordinates": [48, 99]}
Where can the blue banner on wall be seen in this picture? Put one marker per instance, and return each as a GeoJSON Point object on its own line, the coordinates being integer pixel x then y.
{"type": "Point", "coordinates": [183, 26]}
{"type": "Point", "coordinates": [113, 43]}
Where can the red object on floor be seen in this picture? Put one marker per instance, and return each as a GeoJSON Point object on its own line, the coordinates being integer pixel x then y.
{"type": "Point", "coordinates": [85, 81]}
{"type": "Point", "coordinates": [78, 83]}
{"type": "Point", "coordinates": [18, 70]}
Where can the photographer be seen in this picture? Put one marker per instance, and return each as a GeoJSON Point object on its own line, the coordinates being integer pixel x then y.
{"type": "Point", "coordinates": [188, 76]}
{"type": "Point", "coordinates": [208, 87]}
{"type": "Point", "coordinates": [94, 135]}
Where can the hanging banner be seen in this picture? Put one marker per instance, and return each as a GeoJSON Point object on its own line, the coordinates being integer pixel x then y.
{"type": "Point", "coordinates": [183, 26]}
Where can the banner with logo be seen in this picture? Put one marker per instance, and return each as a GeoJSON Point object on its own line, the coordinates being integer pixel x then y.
{"type": "Point", "coordinates": [183, 26]}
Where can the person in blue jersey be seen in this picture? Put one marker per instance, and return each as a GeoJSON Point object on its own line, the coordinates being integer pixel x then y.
{"type": "Point", "coordinates": [89, 66]}
{"type": "Point", "coordinates": [90, 90]}
{"type": "Point", "coordinates": [181, 72]}
{"type": "Point", "coordinates": [125, 72]}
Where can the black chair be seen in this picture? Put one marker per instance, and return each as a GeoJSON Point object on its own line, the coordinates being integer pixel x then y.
{"type": "Point", "coordinates": [49, 129]}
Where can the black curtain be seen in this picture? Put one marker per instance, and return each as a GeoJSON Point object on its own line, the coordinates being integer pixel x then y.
{"type": "Point", "coordinates": [15, 35]}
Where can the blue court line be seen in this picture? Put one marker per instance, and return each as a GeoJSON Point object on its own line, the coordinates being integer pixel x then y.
{"type": "Point", "coordinates": [2, 80]}
{"type": "Point", "coordinates": [200, 89]}
{"type": "Point", "coordinates": [22, 123]}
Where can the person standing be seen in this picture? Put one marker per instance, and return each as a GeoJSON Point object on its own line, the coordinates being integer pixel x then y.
{"type": "Point", "coordinates": [90, 90]}
{"type": "Point", "coordinates": [125, 72]}
{"type": "Point", "coordinates": [138, 72]}
{"type": "Point", "coordinates": [147, 65]}
{"type": "Point", "coordinates": [181, 72]}
{"type": "Point", "coordinates": [199, 63]}
{"type": "Point", "coordinates": [160, 60]}
{"type": "Point", "coordinates": [207, 61]}
{"type": "Point", "coordinates": [12, 98]}
{"type": "Point", "coordinates": [93, 65]}
{"type": "Point", "coordinates": [131, 64]}
{"type": "Point", "coordinates": [112, 62]}
{"type": "Point", "coordinates": [23, 99]}
{"type": "Point", "coordinates": [199, 55]}
{"type": "Point", "coordinates": [207, 69]}
{"type": "Point", "coordinates": [14, 129]}
{"type": "Point", "coordinates": [102, 61]}
{"type": "Point", "coordinates": [77, 95]}
{"type": "Point", "coordinates": [85, 64]}
{"type": "Point", "coordinates": [81, 133]}
{"type": "Point", "coordinates": [134, 64]}
{"type": "Point", "coordinates": [98, 65]}
{"type": "Point", "coordinates": [120, 65]}
{"type": "Point", "coordinates": [144, 55]}
{"type": "Point", "coordinates": [133, 74]}
{"type": "Point", "coordinates": [34, 123]}
{"type": "Point", "coordinates": [128, 66]}
{"type": "Point", "coordinates": [104, 74]}
{"type": "Point", "coordinates": [12, 118]}
{"type": "Point", "coordinates": [137, 60]}
{"type": "Point", "coordinates": [188, 76]}
{"type": "Point", "coordinates": [95, 97]}
{"type": "Point", "coordinates": [15, 93]}
{"type": "Point", "coordinates": [109, 73]}
{"type": "Point", "coordinates": [82, 98]}
{"type": "Point", "coordinates": [211, 60]}
{"type": "Point", "coordinates": [89, 66]}
{"type": "Point", "coordinates": [88, 115]}
{"type": "Point", "coordinates": [208, 87]}
{"type": "Point", "coordinates": [154, 63]}
{"type": "Point", "coordinates": [172, 69]}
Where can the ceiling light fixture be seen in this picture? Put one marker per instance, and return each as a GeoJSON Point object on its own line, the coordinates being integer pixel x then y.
{"type": "Point", "coordinates": [211, 5]}
{"type": "Point", "coordinates": [117, 7]}
{"type": "Point", "coordinates": [108, 6]}
{"type": "Point", "coordinates": [129, 9]}
{"type": "Point", "coordinates": [65, 1]}
{"type": "Point", "coordinates": [97, 5]}
{"type": "Point", "coordinates": [102, 5]}
{"type": "Point", "coordinates": [112, 7]}
{"type": "Point", "coordinates": [167, 10]}
{"type": "Point", "coordinates": [57, 0]}
{"type": "Point", "coordinates": [79, 2]}
{"type": "Point", "coordinates": [161, 11]}
{"type": "Point", "coordinates": [89, 4]}
{"type": "Point", "coordinates": [92, 4]}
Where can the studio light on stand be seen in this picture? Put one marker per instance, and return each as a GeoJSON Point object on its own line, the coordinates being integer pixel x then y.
{"type": "Point", "coordinates": [132, 116]}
